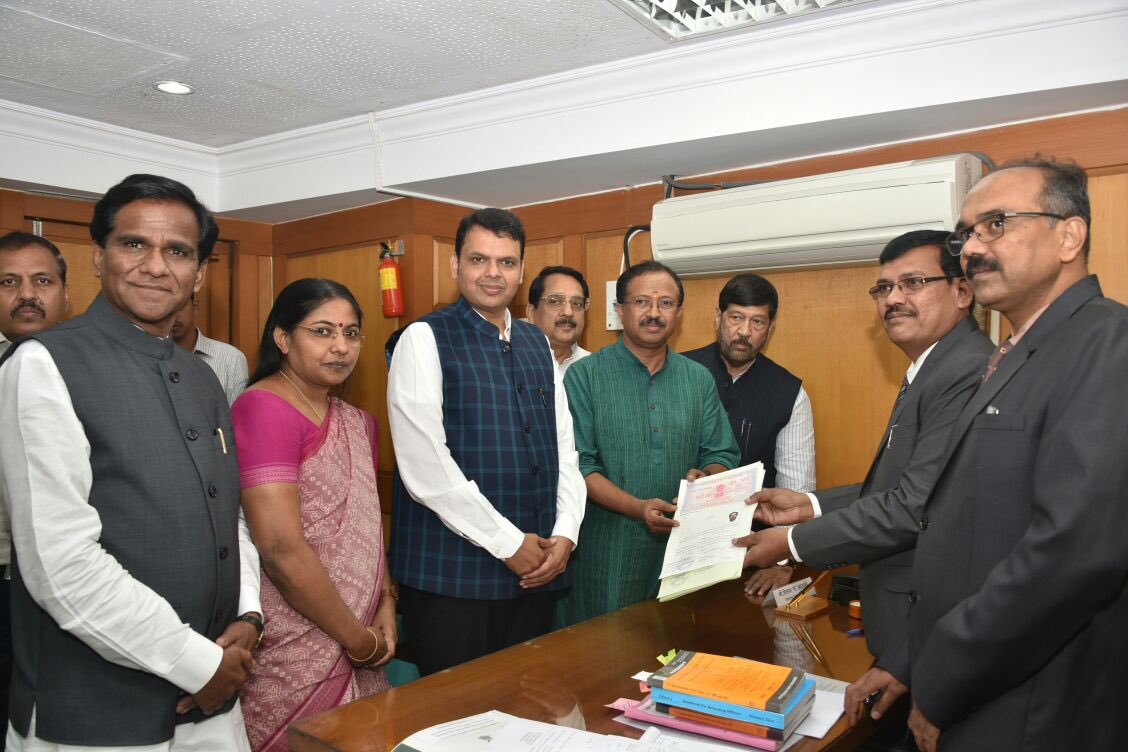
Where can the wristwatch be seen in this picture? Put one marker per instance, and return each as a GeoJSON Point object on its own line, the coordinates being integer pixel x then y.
{"type": "Point", "coordinates": [254, 620]}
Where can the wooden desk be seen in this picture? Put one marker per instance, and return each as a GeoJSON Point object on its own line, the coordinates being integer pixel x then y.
{"type": "Point", "coordinates": [589, 665]}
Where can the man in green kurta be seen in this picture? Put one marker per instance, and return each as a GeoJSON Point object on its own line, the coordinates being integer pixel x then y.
{"type": "Point", "coordinates": [644, 417]}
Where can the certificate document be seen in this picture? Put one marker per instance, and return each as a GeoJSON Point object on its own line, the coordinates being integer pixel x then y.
{"type": "Point", "coordinates": [711, 512]}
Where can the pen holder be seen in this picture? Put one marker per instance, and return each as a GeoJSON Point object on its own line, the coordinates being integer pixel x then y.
{"type": "Point", "coordinates": [805, 606]}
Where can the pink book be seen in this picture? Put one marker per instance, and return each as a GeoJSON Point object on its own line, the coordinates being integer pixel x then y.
{"type": "Point", "coordinates": [643, 710]}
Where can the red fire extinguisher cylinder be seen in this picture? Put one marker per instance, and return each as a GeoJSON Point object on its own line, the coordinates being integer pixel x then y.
{"type": "Point", "coordinates": [391, 289]}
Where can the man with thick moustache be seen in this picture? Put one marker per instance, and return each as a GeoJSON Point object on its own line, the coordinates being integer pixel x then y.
{"type": "Point", "coordinates": [488, 492]}
{"type": "Point", "coordinates": [130, 622]}
{"type": "Point", "coordinates": [33, 297]}
{"type": "Point", "coordinates": [558, 303]}
{"type": "Point", "coordinates": [924, 304]}
{"type": "Point", "coordinates": [645, 417]}
{"type": "Point", "coordinates": [768, 408]}
{"type": "Point", "coordinates": [1021, 608]}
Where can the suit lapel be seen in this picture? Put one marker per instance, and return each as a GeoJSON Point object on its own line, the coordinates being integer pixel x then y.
{"type": "Point", "coordinates": [931, 365]}
{"type": "Point", "coordinates": [1061, 309]}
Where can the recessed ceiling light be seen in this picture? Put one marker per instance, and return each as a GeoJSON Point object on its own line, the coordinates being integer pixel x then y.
{"type": "Point", "coordinates": [172, 87]}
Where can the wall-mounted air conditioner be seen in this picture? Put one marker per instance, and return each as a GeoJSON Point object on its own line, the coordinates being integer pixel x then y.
{"type": "Point", "coordinates": [840, 218]}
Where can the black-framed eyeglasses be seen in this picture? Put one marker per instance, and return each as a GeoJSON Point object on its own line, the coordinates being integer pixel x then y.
{"type": "Point", "coordinates": [557, 300]}
{"type": "Point", "coordinates": [908, 286]}
{"type": "Point", "coordinates": [988, 229]}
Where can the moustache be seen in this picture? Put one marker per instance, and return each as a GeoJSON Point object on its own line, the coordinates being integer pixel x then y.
{"type": "Point", "coordinates": [976, 264]}
{"type": "Point", "coordinates": [565, 320]}
{"type": "Point", "coordinates": [28, 304]}
{"type": "Point", "coordinates": [740, 341]}
{"type": "Point", "coordinates": [897, 308]}
{"type": "Point", "coordinates": [648, 320]}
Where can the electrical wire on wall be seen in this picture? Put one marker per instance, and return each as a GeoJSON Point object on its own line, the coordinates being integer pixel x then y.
{"type": "Point", "coordinates": [630, 233]}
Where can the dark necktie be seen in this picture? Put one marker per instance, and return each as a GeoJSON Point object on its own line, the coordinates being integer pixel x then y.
{"type": "Point", "coordinates": [993, 362]}
{"type": "Point", "coordinates": [901, 393]}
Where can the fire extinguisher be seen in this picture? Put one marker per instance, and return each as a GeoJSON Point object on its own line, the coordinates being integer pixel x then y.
{"type": "Point", "coordinates": [391, 289]}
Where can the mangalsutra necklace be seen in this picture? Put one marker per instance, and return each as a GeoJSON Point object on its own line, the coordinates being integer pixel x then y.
{"type": "Point", "coordinates": [301, 394]}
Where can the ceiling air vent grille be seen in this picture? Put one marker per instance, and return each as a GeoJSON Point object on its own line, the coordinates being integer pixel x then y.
{"type": "Point", "coordinates": [675, 20]}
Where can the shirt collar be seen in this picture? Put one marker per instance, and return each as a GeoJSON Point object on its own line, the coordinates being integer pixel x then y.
{"type": "Point", "coordinates": [508, 323]}
{"type": "Point", "coordinates": [915, 366]}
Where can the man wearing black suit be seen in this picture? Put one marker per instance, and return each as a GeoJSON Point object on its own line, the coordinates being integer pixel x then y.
{"type": "Point", "coordinates": [1021, 611]}
{"type": "Point", "coordinates": [924, 304]}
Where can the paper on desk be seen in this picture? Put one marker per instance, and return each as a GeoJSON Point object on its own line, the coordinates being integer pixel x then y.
{"type": "Point", "coordinates": [710, 513]}
{"type": "Point", "coordinates": [827, 708]}
{"type": "Point", "coordinates": [469, 734]}
{"type": "Point", "coordinates": [521, 735]}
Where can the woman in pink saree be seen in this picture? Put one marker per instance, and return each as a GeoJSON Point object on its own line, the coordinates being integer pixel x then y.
{"type": "Point", "coordinates": [307, 466]}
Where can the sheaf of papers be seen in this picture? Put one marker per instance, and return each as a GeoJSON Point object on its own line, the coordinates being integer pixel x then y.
{"type": "Point", "coordinates": [494, 731]}
{"type": "Point", "coordinates": [711, 512]}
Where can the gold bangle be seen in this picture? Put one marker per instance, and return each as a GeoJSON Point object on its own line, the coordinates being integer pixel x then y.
{"type": "Point", "coordinates": [375, 650]}
{"type": "Point", "coordinates": [392, 590]}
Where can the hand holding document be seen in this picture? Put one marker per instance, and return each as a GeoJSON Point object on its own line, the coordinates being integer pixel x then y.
{"type": "Point", "coordinates": [710, 513]}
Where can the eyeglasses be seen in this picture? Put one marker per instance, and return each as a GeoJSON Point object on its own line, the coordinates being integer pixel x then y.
{"type": "Point", "coordinates": [556, 300]}
{"type": "Point", "coordinates": [644, 304]}
{"type": "Point", "coordinates": [988, 229]}
{"type": "Point", "coordinates": [352, 337]}
{"type": "Point", "coordinates": [908, 286]}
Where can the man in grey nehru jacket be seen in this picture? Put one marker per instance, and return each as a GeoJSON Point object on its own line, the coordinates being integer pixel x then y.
{"type": "Point", "coordinates": [132, 623]}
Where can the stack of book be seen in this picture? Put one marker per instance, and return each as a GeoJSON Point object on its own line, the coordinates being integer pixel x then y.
{"type": "Point", "coordinates": [753, 703]}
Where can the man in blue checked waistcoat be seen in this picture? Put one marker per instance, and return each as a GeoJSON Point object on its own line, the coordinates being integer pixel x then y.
{"type": "Point", "coordinates": [488, 492]}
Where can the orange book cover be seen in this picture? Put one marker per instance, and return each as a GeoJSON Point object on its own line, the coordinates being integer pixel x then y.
{"type": "Point", "coordinates": [753, 684]}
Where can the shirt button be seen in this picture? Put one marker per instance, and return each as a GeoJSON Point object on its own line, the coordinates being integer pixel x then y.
{"type": "Point", "coordinates": [528, 429]}
{"type": "Point", "coordinates": [652, 406]}
{"type": "Point", "coordinates": [520, 388]}
{"type": "Point", "coordinates": [192, 434]}
{"type": "Point", "coordinates": [506, 348]}
{"type": "Point", "coordinates": [536, 469]}
{"type": "Point", "coordinates": [213, 491]}
{"type": "Point", "coordinates": [912, 597]}
{"type": "Point", "coordinates": [923, 523]}
{"type": "Point", "coordinates": [223, 553]}
{"type": "Point", "coordinates": [174, 377]}
{"type": "Point", "coordinates": [655, 430]}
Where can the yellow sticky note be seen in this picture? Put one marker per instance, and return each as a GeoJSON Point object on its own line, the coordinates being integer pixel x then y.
{"type": "Point", "coordinates": [664, 659]}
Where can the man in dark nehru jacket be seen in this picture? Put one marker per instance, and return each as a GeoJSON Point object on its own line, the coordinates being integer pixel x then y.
{"type": "Point", "coordinates": [130, 627]}
{"type": "Point", "coordinates": [768, 408]}
{"type": "Point", "coordinates": [488, 492]}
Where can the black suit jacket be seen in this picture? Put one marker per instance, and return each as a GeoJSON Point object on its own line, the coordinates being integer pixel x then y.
{"type": "Point", "coordinates": [876, 522]}
{"type": "Point", "coordinates": [1020, 626]}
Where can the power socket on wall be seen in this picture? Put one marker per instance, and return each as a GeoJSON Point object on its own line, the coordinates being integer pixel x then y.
{"type": "Point", "coordinates": [614, 323]}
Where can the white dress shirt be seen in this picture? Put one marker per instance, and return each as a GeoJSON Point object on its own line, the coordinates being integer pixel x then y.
{"type": "Point", "coordinates": [914, 369]}
{"type": "Point", "coordinates": [227, 361]}
{"type": "Point", "coordinates": [794, 444]}
{"type": "Point", "coordinates": [45, 482]}
{"type": "Point", "coordinates": [429, 472]}
{"type": "Point", "coordinates": [578, 354]}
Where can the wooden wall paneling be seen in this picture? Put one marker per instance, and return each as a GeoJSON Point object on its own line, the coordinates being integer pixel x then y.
{"type": "Point", "coordinates": [82, 285]}
{"type": "Point", "coordinates": [338, 229]}
{"type": "Point", "coordinates": [214, 310]}
{"type": "Point", "coordinates": [356, 266]}
{"type": "Point", "coordinates": [583, 214]}
{"type": "Point", "coordinates": [538, 255]}
{"type": "Point", "coordinates": [73, 211]}
{"type": "Point", "coordinates": [11, 210]}
{"type": "Point", "coordinates": [251, 287]}
{"type": "Point", "coordinates": [445, 289]}
{"type": "Point", "coordinates": [1108, 254]}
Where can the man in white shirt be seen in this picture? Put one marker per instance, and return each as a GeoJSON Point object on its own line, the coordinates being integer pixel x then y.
{"type": "Point", "coordinates": [134, 587]}
{"type": "Point", "coordinates": [33, 297]}
{"type": "Point", "coordinates": [488, 493]}
{"type": "Point", "coordinates": [227, 361]}
{"type": "Point", "coordinates": [924, 303]}
{"type": "Point", "coordinates": [558, 302]}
